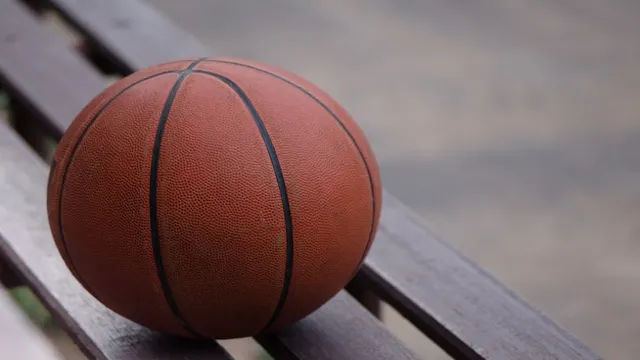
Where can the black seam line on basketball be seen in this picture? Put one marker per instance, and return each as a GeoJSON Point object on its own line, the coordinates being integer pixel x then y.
{"type": "Point", "coordinates": [70, 160]}
{"type": "Point", "coordinates": [337, 119]}
{"type": "Point", "coordinates": [277, 169]}
{"type": "Point", "coordinates": [153, 200]}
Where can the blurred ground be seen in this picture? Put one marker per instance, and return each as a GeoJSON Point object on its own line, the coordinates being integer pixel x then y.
{"type": "Point", "coordinates": [512, 126]}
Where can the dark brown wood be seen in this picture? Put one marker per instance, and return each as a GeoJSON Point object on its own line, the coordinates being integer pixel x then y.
{"type": "Point", "coordinates": [8, 277]}
{"type": "Point", "coordinates": [468, 312]}
{"type": "Point", "coordinates": [460, 306]}
{"type": "Point", "coordinates": [19, 338]}
{"type": "Point", "coordinates": [131, 33]}
{"type": "Point", "coordinates": [31, 131]}
{"type": "Point", "coordinates": [339, 330]}
{"type": "Point", "coordinates": [26, 245]}
{"type": "Point", "coordinates": [39, 6]}
{"type": "Point", "coordinates": [42, 86]}
{"type": "Point", "coordinates": [342, 329]}
{"type": "Point", "coordinates": [96, 58]}
{"type": "Point", "coordinates": [65, 85]}
{"type": "Point", "coordinates": [360, 289]}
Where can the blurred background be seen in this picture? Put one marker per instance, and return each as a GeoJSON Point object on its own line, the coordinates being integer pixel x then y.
{"type": "Point", "coordinates": [512, 127]}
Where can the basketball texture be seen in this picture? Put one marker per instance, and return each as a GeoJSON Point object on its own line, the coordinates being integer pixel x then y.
{"type": "Point", "coordinates": [215, 198]}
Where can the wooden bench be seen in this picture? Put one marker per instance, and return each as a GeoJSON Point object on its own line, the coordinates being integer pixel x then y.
{"type": "Point", "coordinates": [451, 300]}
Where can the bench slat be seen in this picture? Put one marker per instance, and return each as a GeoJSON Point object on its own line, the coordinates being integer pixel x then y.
{"type": "Point", "coordinates": [26, 238]}
{"type": "Point", "coordinates": [446, 295]}
{"type": "Point", "coordinates": [36, 65]}
{"type": "Point", "coordinates": [26, 244]}
{"type": "Point", "coordinates": [25, 74]}
{"type": "Point", "coordinates": [341, 329]}
{"type": "Point", "coordinates": [464, 309]}
{"type": "Point", "coordinates": [131, 33]}
{"type": "Point", "coordinates": [19, 339]}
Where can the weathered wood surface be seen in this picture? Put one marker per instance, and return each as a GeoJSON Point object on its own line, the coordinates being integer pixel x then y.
{"type": "Point", "coordinates": [132, 34]}
{"type": "Point", "coordinates": [341, 329]}
{"type": "Point", "coordinates": [510, 126]}
{"type": "Point", "coordinates": [464, 309]}
{"type": "Point", "coordinates": [25, 235]}
{"type": "Point", "coordinates": [459, 305]}
{"type": "Point", "coordinates": [36, 65]}
{"type": "Point", "coordinates": [26, 245]}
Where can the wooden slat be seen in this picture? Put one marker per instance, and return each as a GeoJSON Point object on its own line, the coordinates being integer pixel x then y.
{"type": "Point", "coordinates": [26, 244]}
{"type": "Point", "coordinates": [464, 309]}
{"type": "Point", "coordinates": [131, 33]}
{"type": "Point", "coordinates": [19, 338]}
{"type": "Point", "coordinates": [467, 311]}
{"type": "Point", "coordinates": [341, 329]}
{"type": "Point", "coordinates": [446, 295]}
{"type": "Point", "coordinates": [47, 83]}
{"type": "Point", "coordinates": [26, 238]}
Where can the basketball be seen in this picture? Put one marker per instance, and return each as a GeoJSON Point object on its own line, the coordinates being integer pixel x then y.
{"type": "Point", "coordinates": [213, 198]}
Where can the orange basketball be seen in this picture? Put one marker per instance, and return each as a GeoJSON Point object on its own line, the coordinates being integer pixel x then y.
{"type": "Point", "coordinates": [216, 198]}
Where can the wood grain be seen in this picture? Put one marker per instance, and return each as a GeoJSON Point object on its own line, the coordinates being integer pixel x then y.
{"type": "Point", "coordinates": [129, 32]}
{"type": "Point", "coordinates": [445, 294]}
{"type": "Point", "coordinates": [36, 65]}
{"type": "Point", "coordinates": [26, 243]}
{"type": "Point", "coordinates": [339, 330]}
{"type": "Point", "coordinates": [463, 308]}
{"type": "Point", "coordinates": [505, 124]}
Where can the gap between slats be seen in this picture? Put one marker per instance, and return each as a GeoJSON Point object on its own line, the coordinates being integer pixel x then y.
{"type": "Point", "coordinates": [75, 40]}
